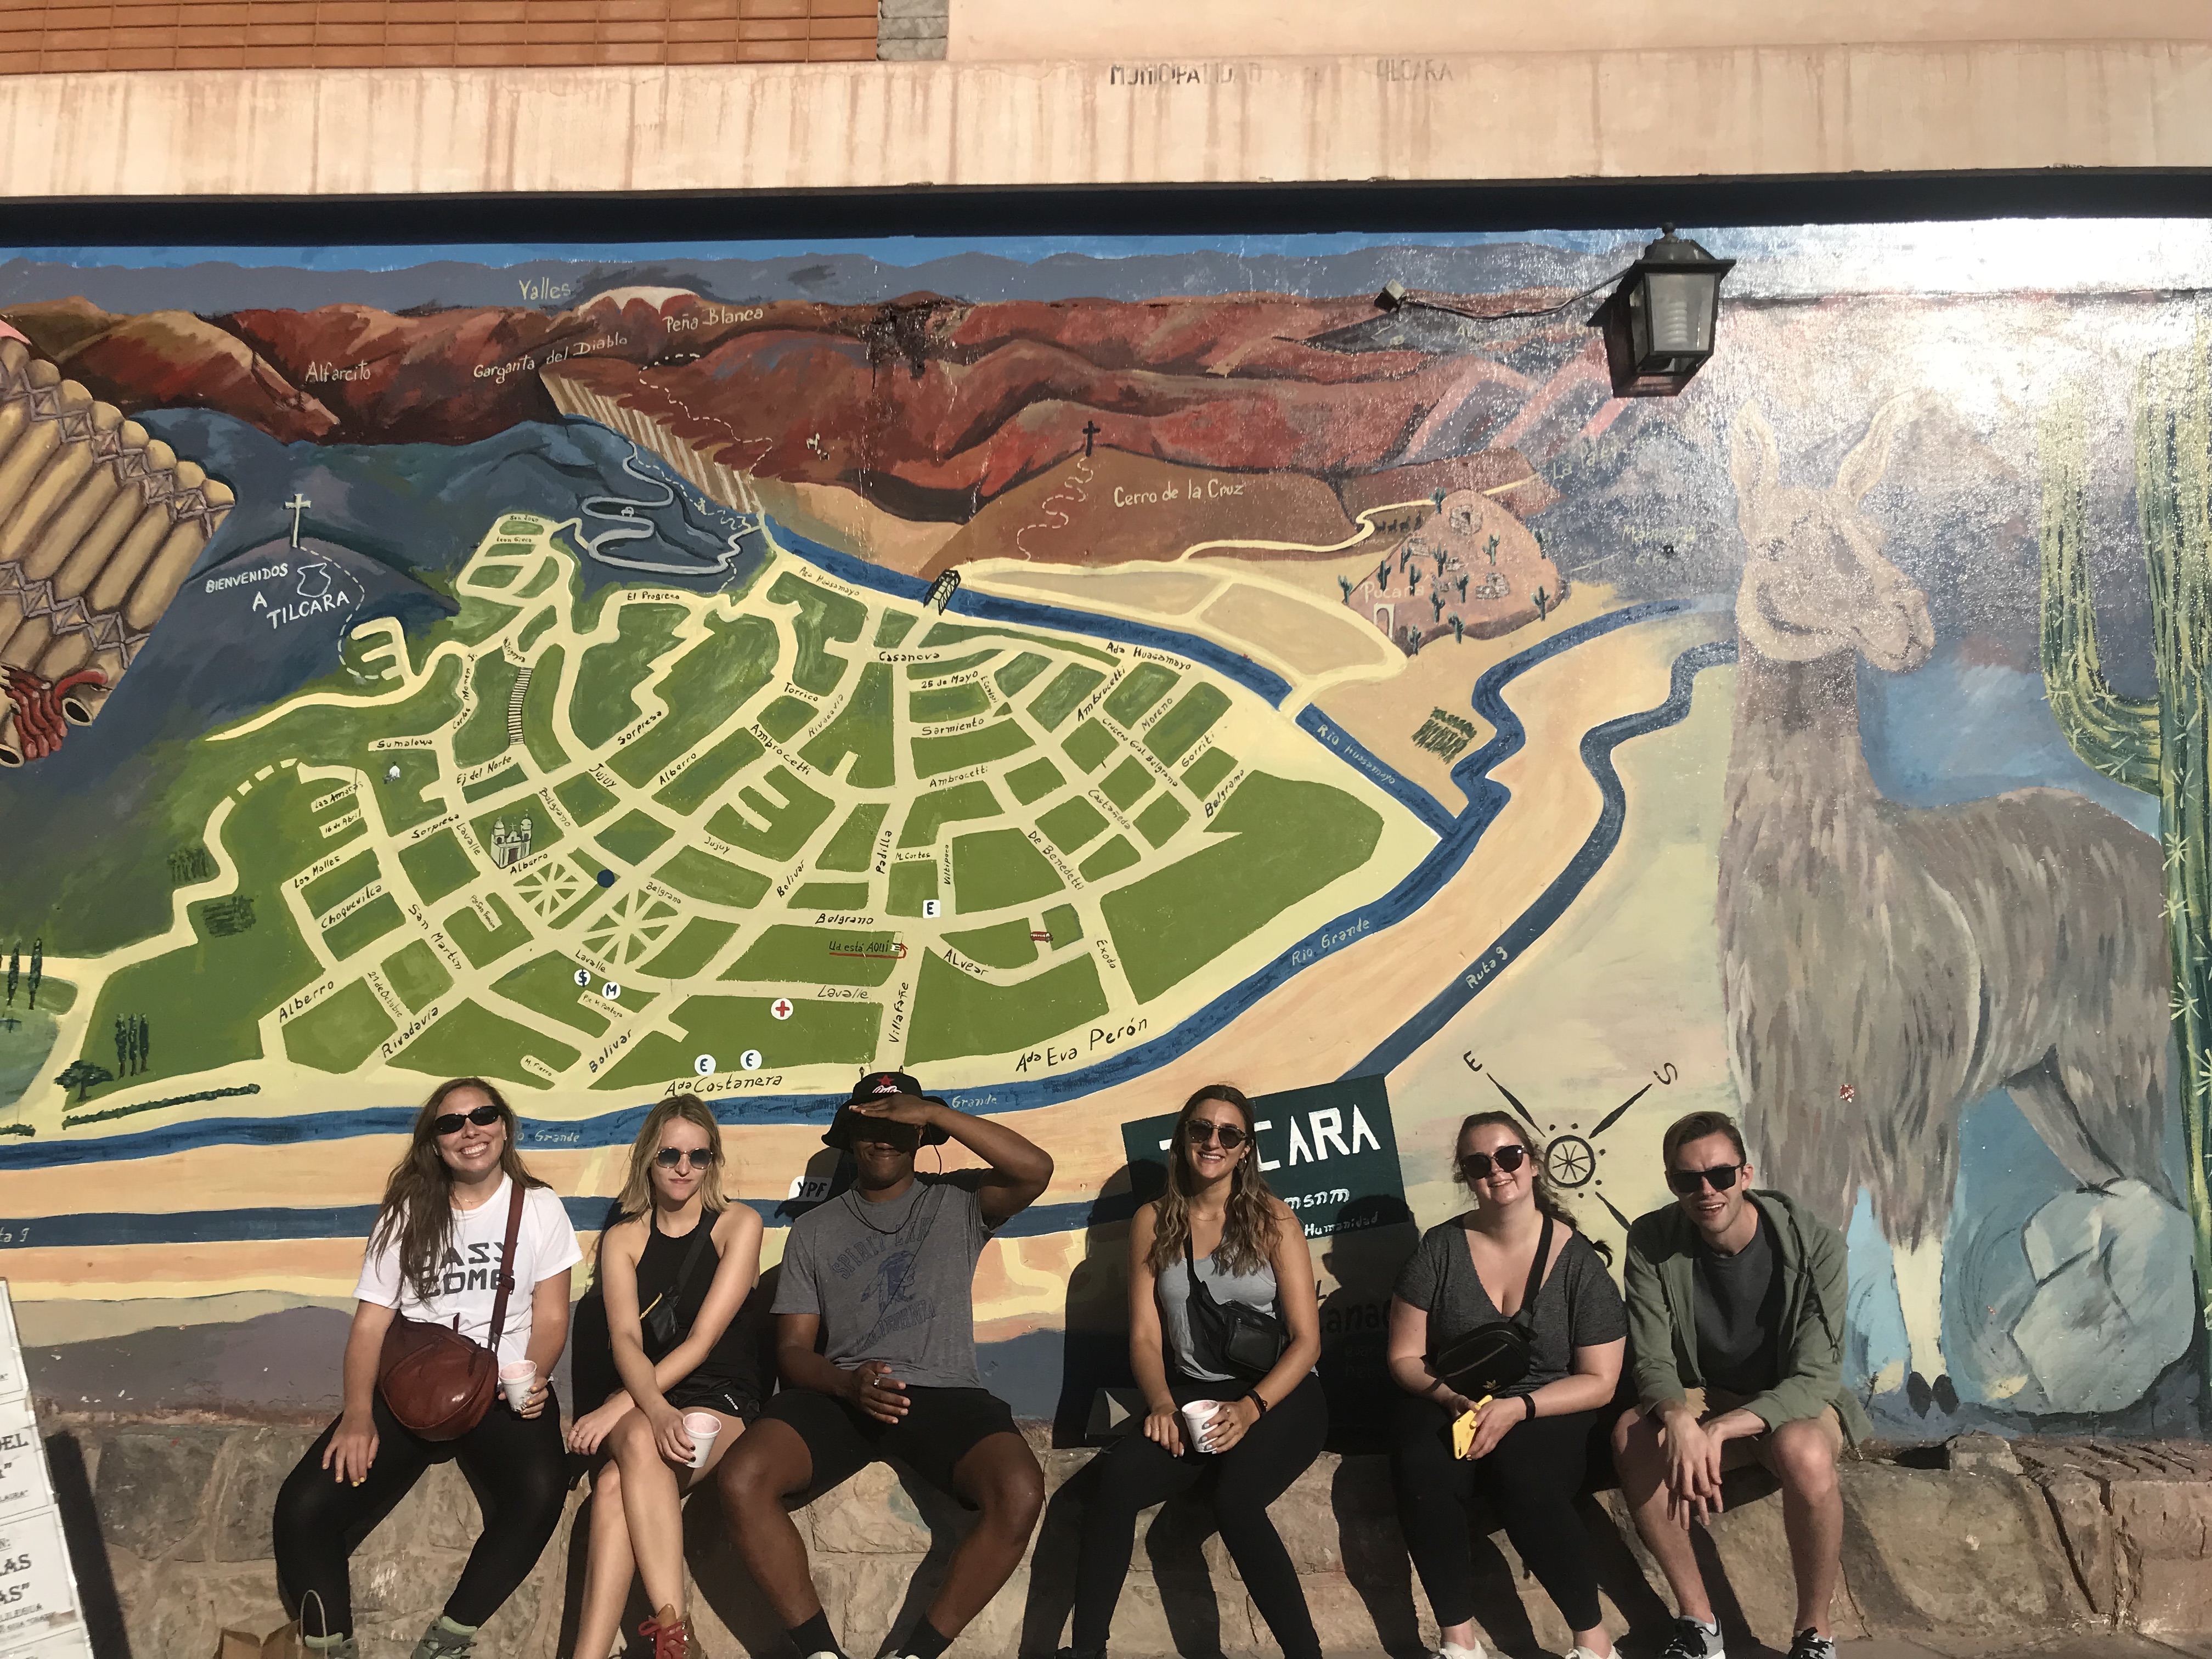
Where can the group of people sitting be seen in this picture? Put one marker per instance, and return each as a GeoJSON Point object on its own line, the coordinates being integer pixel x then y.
{"type": "Point", "coordinates": [1733, 1313]}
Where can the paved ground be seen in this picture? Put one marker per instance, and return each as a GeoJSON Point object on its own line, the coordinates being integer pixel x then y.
{"type": "Point", "coordinates": [2078, 1646]}
{"type": "Point", "coordinates": [2072, 1647]}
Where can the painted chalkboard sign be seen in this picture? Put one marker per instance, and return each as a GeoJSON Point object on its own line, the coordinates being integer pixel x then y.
{"type": "Point", "coordinates": [1328, 1151]}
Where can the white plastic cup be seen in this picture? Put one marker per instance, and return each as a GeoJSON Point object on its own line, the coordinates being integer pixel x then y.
{"type": "Point", "coordinates": [516, 1381]}
{"type": "Point", "coordinates": [1197, 1419]}
{"type": "Point", "coordinates": [702, 1427]}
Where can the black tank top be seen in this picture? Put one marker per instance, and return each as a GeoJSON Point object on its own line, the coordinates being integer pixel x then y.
{"type": "Point", "coordinates": [734, 1361]}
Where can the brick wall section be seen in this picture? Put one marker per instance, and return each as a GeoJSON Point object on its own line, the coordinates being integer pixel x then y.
{"type": "Point", "coordinates": [230, 34]}
{"type": "Point", "coordinates": [912, 28]}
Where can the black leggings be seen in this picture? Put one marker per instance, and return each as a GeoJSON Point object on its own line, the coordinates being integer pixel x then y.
{"type": "Point", "coordinates": [1135, 1472]}
{"type": "Point", "coordinates": [517, 1466]}
{"type": "Point", "coordinates": [1529, 1481]}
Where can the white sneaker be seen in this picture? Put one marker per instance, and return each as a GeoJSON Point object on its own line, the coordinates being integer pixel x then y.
{"type": "Point", "coordinates": [1691, 1640]}
{"type": "Point", "coordinates": [1453, 1650]}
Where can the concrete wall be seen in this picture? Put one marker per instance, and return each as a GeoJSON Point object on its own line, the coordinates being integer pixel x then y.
{"type": "Point", "coordinates": [1139, 29]}
{"type": "Point", "coordinates": [1563, 115]}
{"type": "Point", "coordinates": [1996, 1550]}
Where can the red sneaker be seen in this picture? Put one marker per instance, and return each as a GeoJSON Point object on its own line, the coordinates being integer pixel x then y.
{"type": "Point", "coordinates": [671, 1635]}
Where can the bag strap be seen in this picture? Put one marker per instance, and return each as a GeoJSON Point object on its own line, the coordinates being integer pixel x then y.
{"type": "Point", "coordinates": [1527, 1313]}
{"type": "Point", "coordinates": [1199, 1293]}
{"type": "Point", "coordinates": [507, 1263]}
{"type": "Point", "coordinates": [699, 1235]}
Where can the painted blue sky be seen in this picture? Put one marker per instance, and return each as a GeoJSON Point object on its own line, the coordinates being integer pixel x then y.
{"type": "Point", "coordinates": [1961, 257]}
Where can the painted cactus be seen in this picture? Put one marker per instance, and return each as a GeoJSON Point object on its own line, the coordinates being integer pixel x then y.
{"type": "Point", "coordinates": [2161, 745]}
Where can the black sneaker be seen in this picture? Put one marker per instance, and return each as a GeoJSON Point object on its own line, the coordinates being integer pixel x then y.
{"type": "Point", "coordinates": [1692, 1640]}
{"type": "Point", "coordinates": [1811, 1645]}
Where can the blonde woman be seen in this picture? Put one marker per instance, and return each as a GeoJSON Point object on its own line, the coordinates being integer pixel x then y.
{"type": "Point", "coordinates": [676, 1271]}
{"type": "Point", "coordinates": [1217, 1219]}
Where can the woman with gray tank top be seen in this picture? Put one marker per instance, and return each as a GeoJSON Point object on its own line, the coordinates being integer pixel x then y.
{"type": "Point", "coordinates": [1217, 1218]}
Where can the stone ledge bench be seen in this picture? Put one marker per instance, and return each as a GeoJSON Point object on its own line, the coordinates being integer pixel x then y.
{"type": "Point", "coordinates": [1993, 1541]}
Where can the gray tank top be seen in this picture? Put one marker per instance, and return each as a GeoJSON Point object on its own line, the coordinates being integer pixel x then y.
{"type": "Point", "coordinates": [1171, 1289]}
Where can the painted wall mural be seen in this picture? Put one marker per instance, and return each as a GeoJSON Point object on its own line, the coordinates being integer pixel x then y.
{"type": "Point", "coordinates": [1076, 672]}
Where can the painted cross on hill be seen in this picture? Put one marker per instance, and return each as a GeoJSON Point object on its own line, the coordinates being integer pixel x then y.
{"type": "Point", "coordinates": [781, 1007]}
{"type": "Point", "coordinates": [299, 504]}
{"type": "Point", "coordinates": [1091, 431]}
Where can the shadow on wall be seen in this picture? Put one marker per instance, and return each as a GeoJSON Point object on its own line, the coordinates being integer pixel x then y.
{"type": "Point", "coordinates": [87, 1547]}
{"type": "Point", "coordinates": [1374, 1236]}
{"type": "Point", "coordinates": [1094, 1323]}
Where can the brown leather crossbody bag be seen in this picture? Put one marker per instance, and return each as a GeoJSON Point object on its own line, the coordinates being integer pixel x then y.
{"type": "Point", "coordinates": [437, 1383]}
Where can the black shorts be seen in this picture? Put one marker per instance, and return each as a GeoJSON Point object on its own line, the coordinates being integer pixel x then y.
{"type": "Point", "coordinates": [941, 1426]}
{"type": "Point", "coordinates": [700, 1394]}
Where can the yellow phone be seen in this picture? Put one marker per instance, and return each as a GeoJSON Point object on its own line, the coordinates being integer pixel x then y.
{"type": "Point", "coordinates": [1464, 1426]}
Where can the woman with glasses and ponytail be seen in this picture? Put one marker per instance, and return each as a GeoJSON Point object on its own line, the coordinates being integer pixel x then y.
{"type": "Point", "coordinates": [467, 1264]}
{"type": "Point", "coordinates": [676, 1270]}
{"type": "Point", "coordinates": [1510, 1277]}
{"type": "Point", "coordinates": [1221, 1309]}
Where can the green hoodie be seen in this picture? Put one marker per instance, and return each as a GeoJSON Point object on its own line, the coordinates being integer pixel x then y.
{"type": "Point", "coordinates": [1660, 1274]}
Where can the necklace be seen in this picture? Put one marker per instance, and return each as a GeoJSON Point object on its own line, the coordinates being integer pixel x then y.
{"type": "Point", "coordinates": [859, 1208]}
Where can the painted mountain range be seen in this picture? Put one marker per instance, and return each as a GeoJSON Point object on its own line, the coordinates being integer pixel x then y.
{"type": "Point", "coordinates": [931, 406]}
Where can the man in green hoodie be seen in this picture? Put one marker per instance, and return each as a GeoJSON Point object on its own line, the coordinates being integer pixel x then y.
{"type": "Point", "coordinates": [1735, 1320]}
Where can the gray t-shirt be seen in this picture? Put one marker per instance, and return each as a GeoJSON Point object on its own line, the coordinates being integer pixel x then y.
{"type": "Point", "coordinates": [1739, 1315]}
{"type": "Point", "coordinates": [1577, 1307]}
{"type": "Point", "coordinates": [893, 1281]}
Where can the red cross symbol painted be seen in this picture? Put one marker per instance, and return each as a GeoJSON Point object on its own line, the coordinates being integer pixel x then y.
{"type": "Point", "coordinates": [781, 1007]}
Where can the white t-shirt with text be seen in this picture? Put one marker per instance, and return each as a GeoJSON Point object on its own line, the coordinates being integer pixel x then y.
{"type": "Point", "coordinates": [468, 1284]}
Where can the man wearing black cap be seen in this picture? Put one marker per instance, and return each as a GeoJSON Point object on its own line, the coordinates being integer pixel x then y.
{"type": "Point", "coordinates": [875, 1341]}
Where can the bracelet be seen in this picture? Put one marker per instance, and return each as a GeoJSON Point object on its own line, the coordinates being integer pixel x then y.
{"type": "Point", "coordinates": [1257, 1399]}
{"type": "Point", "coordinates": [1531, 1400]}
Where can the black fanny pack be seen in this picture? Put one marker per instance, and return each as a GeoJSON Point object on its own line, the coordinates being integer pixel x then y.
{"type": "Point", "coordinates": [1231, 1336]}
{"type": "Point", "coordinates": [1492, 1356]}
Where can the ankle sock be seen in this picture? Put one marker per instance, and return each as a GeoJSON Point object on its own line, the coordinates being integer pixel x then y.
{"type": "Point", "coordinates": [446, 1623]}
{"type": "Point", "coordinates": [815, 1635]}
{"type": "Point", "coordinates": [924, 1643]}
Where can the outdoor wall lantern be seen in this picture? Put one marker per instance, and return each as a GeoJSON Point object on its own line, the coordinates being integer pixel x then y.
{"type": "Point", "coordinates": [1659, 322]}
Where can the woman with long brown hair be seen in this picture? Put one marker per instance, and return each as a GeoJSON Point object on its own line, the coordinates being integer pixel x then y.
{"type": "Point", "coordinates": [676, 1270]}
{"type": "Point", "coordinates": [1530, 1445]}
{"type": "Point", "coordinates": [437, 1255]}
{"type": "Point", "coordinates": [1216, 1241]}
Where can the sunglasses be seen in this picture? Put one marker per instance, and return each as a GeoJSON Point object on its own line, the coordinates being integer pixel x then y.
{"type": "Point", "coordinates": [1686, 1182]}
{"type": "Point", "coordinates": [670, 1158]}
{"type": "Point", "coordinates": [1506, 1159]}
{"type": "Point", "coordinates": [884, 1132]}
{"type": "Point", "coordinates": [1200, 1132]}
{"type": "Point", "coordinates": [450, 1123]}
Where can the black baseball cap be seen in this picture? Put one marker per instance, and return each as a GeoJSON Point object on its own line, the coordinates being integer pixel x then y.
{"type": "Point", "coordinates": [871, 1085]}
